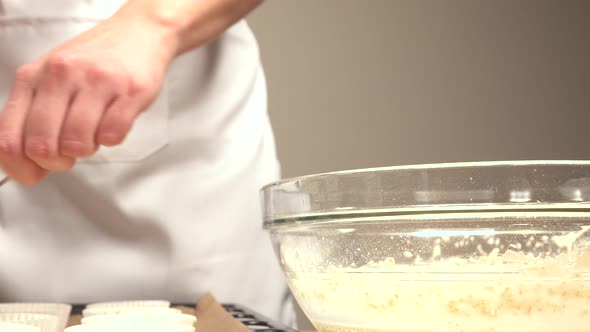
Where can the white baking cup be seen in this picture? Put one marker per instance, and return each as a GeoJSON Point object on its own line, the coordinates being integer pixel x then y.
{"type": "Point", "coordinates": [136, 326]}
{"type": "Point", "coordinates": [118, 310]}
{"type": "Point", "coordinates": [182, 319]}
{"type": "Point", "coordinates": [13, 327]}
{"type": "Point", "coordinates": [61, 310]}
{"type": "Point", "coordinates": [45, 322]}
{"type": "Point", "coordinates": [131, 304]}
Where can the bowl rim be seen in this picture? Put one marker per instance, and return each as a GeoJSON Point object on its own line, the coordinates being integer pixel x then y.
{"type": "Point", "coordinates": [477, 164]}
{"type": "Point", "coordinates": [522, 170]}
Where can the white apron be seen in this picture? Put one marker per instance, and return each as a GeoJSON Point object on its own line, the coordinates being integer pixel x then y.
{"type": "Point", "coordinates": [174, 211]}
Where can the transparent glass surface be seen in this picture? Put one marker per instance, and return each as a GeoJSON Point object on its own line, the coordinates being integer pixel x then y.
{"type": "Point", "coordinates": [454, 247]}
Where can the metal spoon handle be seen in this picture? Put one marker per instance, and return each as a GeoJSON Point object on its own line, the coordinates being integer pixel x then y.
{"type": "Point", "coordinates": [4, 180]}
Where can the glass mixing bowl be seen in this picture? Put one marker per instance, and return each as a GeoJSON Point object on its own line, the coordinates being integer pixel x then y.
{"type": "Point", "coordinates": [501, 246]}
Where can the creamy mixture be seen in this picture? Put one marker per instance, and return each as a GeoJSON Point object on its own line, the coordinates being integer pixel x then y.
{"type": "Point", "coordinates": [509, 292]}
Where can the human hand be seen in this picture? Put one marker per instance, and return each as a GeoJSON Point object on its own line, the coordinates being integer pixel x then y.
{"type": "Point", "coordinates": [83, 94]}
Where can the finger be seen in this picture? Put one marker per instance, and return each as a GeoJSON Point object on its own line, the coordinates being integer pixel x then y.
{"type": "Point", "coordinates": [46, 115]}
{"type": "Point", "coordinates": [77, 138]}
{"type": "Point", "coordinates": [13, 160]}
{"type": "Point", "coordinates": [118, 120]}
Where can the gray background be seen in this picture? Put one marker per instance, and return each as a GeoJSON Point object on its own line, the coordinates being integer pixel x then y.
{"type": "Point", "coordinates": [362, 83]}
{"type": "Point", "coordinates": [356, 83]}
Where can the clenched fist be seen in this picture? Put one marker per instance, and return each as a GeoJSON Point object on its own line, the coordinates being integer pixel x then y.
{"type": "Point", "coordinates": [88, 92]}
{"type": "Point", "coordinates": [81, 95]}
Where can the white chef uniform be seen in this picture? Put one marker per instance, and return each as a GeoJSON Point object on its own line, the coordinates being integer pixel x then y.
{"type": "Point", "coordinates": [173, 212]}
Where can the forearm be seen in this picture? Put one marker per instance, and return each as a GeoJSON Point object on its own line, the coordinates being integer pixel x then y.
{"type": "Point", "coordinates": [189, 23]}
